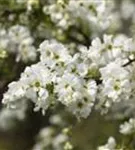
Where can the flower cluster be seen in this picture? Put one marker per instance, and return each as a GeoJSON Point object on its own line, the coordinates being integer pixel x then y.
{"type": "Point", "coordinates": [49, 138]}
{"type": "Point", "coordinates": [55, 136]}
{"type": "Point", "coordinates": [66, 14]}
{"type": "Point", "coordinates": [86, 63]}
{"type": "Point", "coordinates": [54, 79]}
{"type": "Point", "coordinates": [17, 39]}
{"type": "Point", "coordinates": [77, 80]}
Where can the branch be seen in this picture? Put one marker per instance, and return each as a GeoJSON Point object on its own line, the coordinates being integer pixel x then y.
{"type": "Point", "coordinates": [128, 63]}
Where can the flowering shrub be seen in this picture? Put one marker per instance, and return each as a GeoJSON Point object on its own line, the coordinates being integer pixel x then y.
{"type": "Point", "coordinates": [74, 61]}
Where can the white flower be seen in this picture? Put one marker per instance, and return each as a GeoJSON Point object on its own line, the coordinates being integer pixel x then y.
{"type": "Point", "coordinates": [77, 81]}
{"type": "Point", "coordinates": [116, 84]}
{"type": "Point", "coordinates": [112, 49]}
{"type": "Point", "coordinates": [111, 145]}
{"type": "Point", "coordinates": [16, 91]}
{"type": "Point", "coordinates": [26, 52]}
{"type": "Point", "coordinates": [43, 100]}
{"type": "Point", "coordinates": [8, 116]}
{"type": "Point", "coordinates": [17, 40]}
{"type": "Point", "coordinates": [48, 137]}
{"type": "Point", "coordinates": [125, 43]}
{"type": "Point", "coordinates": [78, 96]}
{"type": "Point", "coordinates": [18, 33]}
{"type": "Point", "coordinates": [21, 43]}
{"type": "Point", "coordinates": [97, 14]}
{"type": "Point", "coordinates": [37, 78]}
{"type": "Point", "coordinates": [128, 127]}
{"type": "Point", "coordinates": [58, 14]}
{"type": "Point", "coordinates": [94, 12]}
{"type": "Point", "coordinates": [114, 70]}
{"type": "Point", "coordinates": [32, 85]}
{"type": "Point", "coordinates": [66, 86]}
{"type": "Point", "coordinates": [53, 53]}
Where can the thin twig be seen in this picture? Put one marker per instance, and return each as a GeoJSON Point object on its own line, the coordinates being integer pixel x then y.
{"type": "Point", "coordinates": [128, 63]}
